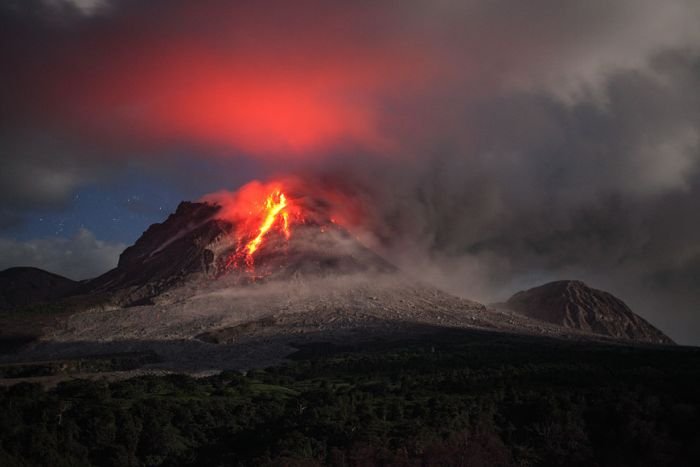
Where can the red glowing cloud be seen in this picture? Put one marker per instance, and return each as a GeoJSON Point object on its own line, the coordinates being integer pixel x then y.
{"type": "Point", "coordinates": [247, 208]}
{"type": "Point", "coordinates": [262, 111]}
{"type": "Point", "coordinates": [266, 83]}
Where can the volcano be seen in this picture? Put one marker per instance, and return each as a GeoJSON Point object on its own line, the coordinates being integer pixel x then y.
{"type": "Point", "coordinates": [239, 283]}
{"type": "Point", "coordinates": [276, 240]}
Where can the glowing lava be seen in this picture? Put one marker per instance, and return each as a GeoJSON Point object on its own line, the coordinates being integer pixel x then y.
{"type": "Point", "coordinates": [265, 215]}
{"type": "Point", "coordinates": [261, 210]}
{"type": "Point", "coordinates": [275, 206]}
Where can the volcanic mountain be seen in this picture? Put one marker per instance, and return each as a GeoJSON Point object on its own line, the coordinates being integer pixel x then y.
{"type": "Point", "coordinates": [196, 245]}
{"type": "Point", "coordinates": [216, 288]}
{"type": "Point", "coordinates": [572, 304]}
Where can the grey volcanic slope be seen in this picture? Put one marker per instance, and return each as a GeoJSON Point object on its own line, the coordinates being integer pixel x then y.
{"type": "Point", "coordinates": [572, 304]}
{"type": "Point", "coordinates": [193, 244]}
{"type": "Point", "coordinates": [24, 286]}
{"type": "Point", "coordinates": [222, 324]}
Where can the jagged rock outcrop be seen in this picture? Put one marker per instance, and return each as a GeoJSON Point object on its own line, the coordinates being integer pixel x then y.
{"type": "Point", "coordinates": [165, 256]}
{"type": "Point", "coordinates": [24, 286]}
{"type": "Point", "coordinates": [572, 304]}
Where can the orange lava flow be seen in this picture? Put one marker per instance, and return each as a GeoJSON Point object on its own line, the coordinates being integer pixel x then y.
{"type": "Point", "coordinates": [275, 206]}
{"type": "Point", "coordinates": [263, 216]}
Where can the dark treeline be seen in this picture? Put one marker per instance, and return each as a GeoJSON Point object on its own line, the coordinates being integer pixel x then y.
{"type": "Point", "coordinates": [456, 400]}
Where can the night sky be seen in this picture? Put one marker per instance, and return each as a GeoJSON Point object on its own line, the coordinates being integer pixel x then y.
{"type": "Point", "coordinates": [495, 144]}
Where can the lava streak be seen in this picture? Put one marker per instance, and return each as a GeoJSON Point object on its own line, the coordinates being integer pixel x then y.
{"type": "Point", "coordinates": [275, 206]}
{"type": "Point", "coordinates": [265, 216]}
{"type": "Point", "coordinates": [262, 213]}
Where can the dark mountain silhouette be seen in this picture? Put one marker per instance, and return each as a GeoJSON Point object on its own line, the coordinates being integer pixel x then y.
{"type": "Point", "coordinates": [572, 304]}
{"type": "Point", "coordinates": [24, 286]}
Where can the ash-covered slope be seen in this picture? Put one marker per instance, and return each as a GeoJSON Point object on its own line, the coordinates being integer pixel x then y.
{"type": "Point", "coordinates": [194, 245]}
{"type": "Point", "coordinates": [24, 286]}
{"type": "Point", "coordinates": [315, 250]}
{"type": "Point", "coordinates": [572, 304]}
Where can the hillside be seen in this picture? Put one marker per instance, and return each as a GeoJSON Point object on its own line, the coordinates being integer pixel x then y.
{"type": "Point", "coordinates": [25, 286]}
{"type": "Point", "coordinates": [574, 305]}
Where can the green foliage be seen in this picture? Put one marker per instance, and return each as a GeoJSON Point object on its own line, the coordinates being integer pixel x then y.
{"type": "Point", "coordinates": [452, 400]}
{"type": "Point", "coordinates": [114, 362]}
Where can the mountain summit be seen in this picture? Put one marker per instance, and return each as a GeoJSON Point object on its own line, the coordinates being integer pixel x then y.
{"type": "Point", "coordinates": [198, 244]}
{"type": "Point", "coordinates": [572, 304]}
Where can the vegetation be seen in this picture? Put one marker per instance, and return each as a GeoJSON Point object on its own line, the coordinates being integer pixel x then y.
{"type": "Point", "coordinates": [454, 399]}
{"type": "Point", "coordinates": [110, 362]}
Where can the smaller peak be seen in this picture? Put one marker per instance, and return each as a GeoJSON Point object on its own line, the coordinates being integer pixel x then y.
{"type": "Point", "coordinates": [29, 271]}
{"type": "Point", "coordinates": [560, 285]}
{"type": "Point", "coordinates": [573, 304]}
{"type": "Point", "coordinates": [20, 269]}
{"type": "Point", "coordinates": [565, 284]}
{"type": "Point", "coordinates": [568, 282]}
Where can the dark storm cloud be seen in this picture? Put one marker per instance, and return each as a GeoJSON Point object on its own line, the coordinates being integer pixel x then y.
{"type": "Point", "coordinates": [503, 143]}
{"type": "Point", "coordinates": [43, 171]}
{"type": "Point", "coordinates": [544, 189]}
{"type": "Point", "coordinates": [532, 187]}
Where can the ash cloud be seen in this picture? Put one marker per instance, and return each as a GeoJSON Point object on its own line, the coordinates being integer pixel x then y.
{"type": "Point", "coordinates": [498, 144]}
{"type": "Point", "coordinates": [538, 188]}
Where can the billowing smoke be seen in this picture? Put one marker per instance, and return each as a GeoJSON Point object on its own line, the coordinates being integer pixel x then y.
{"type": "Point", "coordinates": [491, 145]}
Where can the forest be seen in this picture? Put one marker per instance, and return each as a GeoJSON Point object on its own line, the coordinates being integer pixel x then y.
{"type": "Point", "coordinates": [448, 399]}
